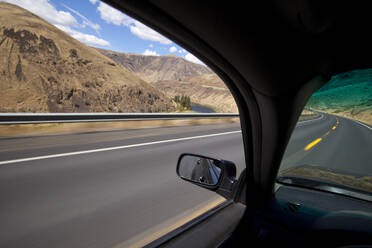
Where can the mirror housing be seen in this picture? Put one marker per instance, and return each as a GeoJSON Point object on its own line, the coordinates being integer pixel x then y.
{"type": "Point", "coordinates": [213, 174]}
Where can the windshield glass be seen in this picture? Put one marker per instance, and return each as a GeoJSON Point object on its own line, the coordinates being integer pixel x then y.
{"type": "Point", "coordinates": [332, 140]}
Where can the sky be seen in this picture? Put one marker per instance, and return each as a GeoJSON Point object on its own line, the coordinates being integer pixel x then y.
{"type": "Point", "coordinates": [99, 25]}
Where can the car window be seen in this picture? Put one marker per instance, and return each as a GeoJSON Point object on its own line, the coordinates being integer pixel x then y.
{"type": "Point", "coordinates": [100, 182]}
{"type": "Point", "coordinates": [331, 144]}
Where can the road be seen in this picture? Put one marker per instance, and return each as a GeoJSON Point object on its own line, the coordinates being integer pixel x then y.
{"type": "Point", "coordinates": [97, 190]}
{"type": "Point", "coordinates": [331, 141]}
{"type": "Point", "coordinates": [105, 189]}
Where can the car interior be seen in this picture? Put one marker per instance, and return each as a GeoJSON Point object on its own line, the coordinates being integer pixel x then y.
{"type": "Point", "coordinates": [138, 143]}
{"type": "Point", "coordinates": [273, 55]}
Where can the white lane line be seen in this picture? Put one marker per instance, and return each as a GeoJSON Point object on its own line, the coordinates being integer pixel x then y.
{"type": "Point", "coordinates": [112, 148]}
{"type": "Point", "coordinates": [364, 125]}
{"type": "Point", "coordinates": [304, 121]}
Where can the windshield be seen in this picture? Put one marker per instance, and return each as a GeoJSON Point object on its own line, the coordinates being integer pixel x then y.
{"type": "Point", "coordinates": [332, 140]}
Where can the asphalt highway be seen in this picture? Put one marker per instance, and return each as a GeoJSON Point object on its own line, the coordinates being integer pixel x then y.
{"type": "Point", "coordinates": [333, 142]}
{"type": "Point", "coordinates": [103, 189]}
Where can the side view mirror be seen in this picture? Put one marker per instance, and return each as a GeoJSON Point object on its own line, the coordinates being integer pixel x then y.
{"type": "Point", "coordinates": [213, 174]}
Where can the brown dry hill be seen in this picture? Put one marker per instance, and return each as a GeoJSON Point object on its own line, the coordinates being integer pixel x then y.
{"type": "Point", "coordinates": [42, 69]}
{"type": "Point", "coordinates": [157, 68]}
{"type": "Point", "coordinates": [176, 76]}
{"type": "Point", "coordinates": [206, 89]}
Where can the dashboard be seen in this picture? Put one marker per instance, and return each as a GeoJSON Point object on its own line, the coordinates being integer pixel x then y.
{"type": "Point", "coordinates": [305, 217]}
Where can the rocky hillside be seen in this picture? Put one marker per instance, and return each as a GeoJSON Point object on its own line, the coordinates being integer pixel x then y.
{"type": "Point", "coordinates": [42, 69]}
{"type": "Point", "coordinates": [176, 76]}
{"type": "Point", "coordinates": [206, 89]}
{"type": "Point", "coordinates": [157, 68]}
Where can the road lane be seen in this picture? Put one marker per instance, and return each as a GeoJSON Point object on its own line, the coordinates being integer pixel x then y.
{"type": "Point", "coordinates": [23, 147]}
{"type": "Point", "coordinates": [333, 142]}
{"type": "Point", "coordinates": [104, 198]}
{"type": "Point", "coordinates": [105, 149]}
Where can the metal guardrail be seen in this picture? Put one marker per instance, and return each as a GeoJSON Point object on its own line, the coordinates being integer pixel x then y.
{"type": "Point", "coordinates": [35, 118]}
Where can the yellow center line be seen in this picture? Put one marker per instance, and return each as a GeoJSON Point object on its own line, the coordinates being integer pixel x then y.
{"type": "Point", "coordinates": [309, 146]}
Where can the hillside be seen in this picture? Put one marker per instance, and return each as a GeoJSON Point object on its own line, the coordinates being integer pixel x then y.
{"type": "Point", "coordinates": [348, 94]}
{"type": "Point", "coordinates": [206, 89]}
{"type": "Point", "coordinates": [42, 69]}
{"type": "Point", "coordinates": [176, 76]}
{"type": "Point", "coordinates": [157, 68]}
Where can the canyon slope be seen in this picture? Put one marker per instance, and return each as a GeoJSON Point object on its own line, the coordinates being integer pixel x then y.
{"type": "Point", "coordinates": [157, 68]}
{"type": "Point", "coordinates": [174, 75]}
{"type": "Point", "coordinates": [208, 90]}
{"type": "Point", "coordinates": [347, 94]}
{"type": "Point", "coordinates": [42, 69]}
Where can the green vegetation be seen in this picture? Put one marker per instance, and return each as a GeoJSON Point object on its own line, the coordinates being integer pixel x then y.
{"type": "Point", "coordinates": [346, 91]}
{"type": "Point", "coordinates": [183, 102]}
{"type": "Point", "coordinates": [348, 94]}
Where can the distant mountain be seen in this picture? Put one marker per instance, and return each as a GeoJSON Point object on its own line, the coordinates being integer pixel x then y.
{"type": "Point", "coordinates": [42, 69]}
{"type": "Point", "coordinates": [348, 94]}
{"type": "Point", "coordinates": [176, 76]}
{"type": "Point", "coordinates": [157, 68]}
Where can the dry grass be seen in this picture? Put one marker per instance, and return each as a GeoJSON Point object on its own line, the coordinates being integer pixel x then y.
{"type": "Point", "coordinates": [64, 128]}
{"type": "Point", "coordinates": [307, 115]}
{"type": "Point", "coordinates": [200, 93]}
{"type": "Point", "coordinates": [363, 116]}
{"type": "Point", "coordinates": [363, 183]}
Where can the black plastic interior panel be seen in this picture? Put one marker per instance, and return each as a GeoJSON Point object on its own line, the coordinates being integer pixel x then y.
{"type": "Point", "coordinates": [311, 217]}
{"type": "Point", "coordinates": [212, 231]}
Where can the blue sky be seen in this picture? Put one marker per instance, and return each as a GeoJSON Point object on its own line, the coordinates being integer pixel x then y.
{"type": "Point", "coordinates": [98, 24]}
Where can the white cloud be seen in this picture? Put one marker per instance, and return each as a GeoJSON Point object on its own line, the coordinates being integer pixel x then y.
{"type": "Point", "coordinates": [151, 45]}
{"type": "Point", "coordinates": [147, 33]}
{"type": "Point", "coordinates": [85, 38]}
{"type": "Point", "coordinates": [193, 59]}
{"type": "Point", "coordinates": [113, 16]}
{"type": "Point", "coordinates": [47, 11]}
{"type": "Point", "coordinates": [172, 49]}
{"type": "Point", "coordinates": [148, 52]}
{"type": "Point", "coordinates": [86, 21]}
{"type": "Point", "coordinates": [62, 19]}
{"type": "Point", "coordinates": [93, 1]}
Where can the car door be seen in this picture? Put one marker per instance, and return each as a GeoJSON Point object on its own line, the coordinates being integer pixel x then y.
{"type": "Point", "coordinates": [286, 54]}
